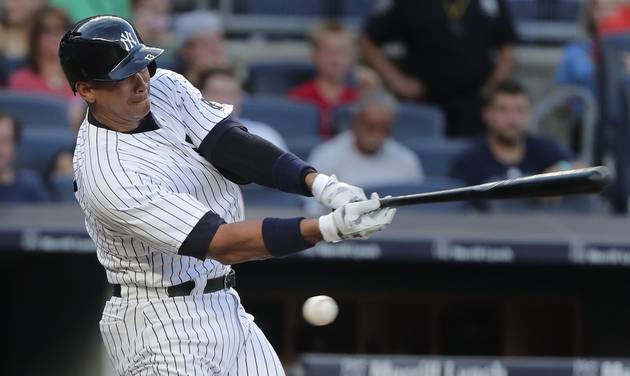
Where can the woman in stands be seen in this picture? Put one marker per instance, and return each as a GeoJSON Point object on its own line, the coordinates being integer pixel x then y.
{"type": "Point", "coordinates": [15, 23]}
{"type": "Point", "coordinates": [42, 73]}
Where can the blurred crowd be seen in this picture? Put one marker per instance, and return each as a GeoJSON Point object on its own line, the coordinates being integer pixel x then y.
{"type": "Point", "coordinates": [453, 57]}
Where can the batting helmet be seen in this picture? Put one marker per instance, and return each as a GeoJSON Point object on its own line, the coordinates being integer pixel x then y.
{"type": "Point", "coordinates": [104, 48]}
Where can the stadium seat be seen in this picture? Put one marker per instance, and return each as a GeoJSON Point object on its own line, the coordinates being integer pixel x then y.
{"type": "Point", "coordinates": [294, 121]}
{"type": "Point", "coordinates": [38, 146]}
{"type": "Point", "coordinates": [258, 195]}
{"type": "Point", "coordinates": [428, 185]}
{"type": "Point", "coordinates": [277, 78]}
{"type": "Point", "coordinates": [282, 7]}
{"type": "Point", "coordinates": [357, 8]}
{"type": "Point", "coordinates": [569, 10]}
{"type": "Point", "coordinates": [63, 189]}
{"type": "Point", "coordinates": [436, 156]}
{"type": "Point", "coordinates": [523, 9]}
{"type": "Point", "coordinates": [35, 110]}
{"type": "Point", "coordinates": [414, 121]}
{"type": "Point", "coordinates": [568, 111]}
{"type": "Point", "coordinates": [11, 65]}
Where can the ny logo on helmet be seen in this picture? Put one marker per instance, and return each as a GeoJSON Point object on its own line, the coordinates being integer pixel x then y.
{"type": "Point", "coordinates": [128, 41]}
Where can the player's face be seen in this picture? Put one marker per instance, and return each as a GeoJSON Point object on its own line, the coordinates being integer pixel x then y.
{"type": "Point", "coordinates": [372, 127]}
{"type": "Point", "coordinates": [126, 101]}
{"type": "Point", "coordinates": [333, 56]}
{"type": "Point", "coordinates": [507, 117]}
{"type": "Point", "coordinates": [7, 143]}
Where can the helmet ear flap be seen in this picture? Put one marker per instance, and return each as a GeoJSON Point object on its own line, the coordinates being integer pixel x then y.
{"type": "Point", "coordinates": [152, 68]}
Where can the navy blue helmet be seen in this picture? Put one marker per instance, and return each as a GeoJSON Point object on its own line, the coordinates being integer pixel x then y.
{"type": "Point", "coordinates": [104, 48]}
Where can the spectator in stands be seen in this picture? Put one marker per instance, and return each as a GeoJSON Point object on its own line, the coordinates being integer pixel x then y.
{"type": "Point", "coordinates": [80, 9]}
{"type": "Point", "coordinates": [60, 165]}
{"type": "Point", "coordinates": [152, 20]}
{"type": "Point", "coordinates": [366, 155]}
{"type": "Point", "coordinates": [16, 186]}
{"type": "Point", "coordinates": [200, 35]}
{"type": "Point", "coordinates": [507, 150]}
{"type": "Point", "coordinates": [220, 85]}
{"type": "Point", "coordinates": [332, 54]}
{"type": "Point", "coordinates": [577, 66]}
{"type": "Point", "coordinates": [454, 51]}
{"type": "Point", "coordinates": [15, 23]}
{"type": "Point", "coordinates": [614, 17]}
{"type": "Point", "coordinates": [42, 73]}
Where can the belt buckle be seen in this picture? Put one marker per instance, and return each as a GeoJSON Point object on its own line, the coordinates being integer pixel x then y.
{"type": "Point", "coordinates": [229, 277]}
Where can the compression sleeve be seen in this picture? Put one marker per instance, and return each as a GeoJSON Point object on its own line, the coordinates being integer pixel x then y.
{"type": "Point", "coordinates": [243, 157]}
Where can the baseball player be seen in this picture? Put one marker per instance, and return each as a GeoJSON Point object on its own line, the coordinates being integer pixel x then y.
{"type": "Point", "coordinates": [157, 170]}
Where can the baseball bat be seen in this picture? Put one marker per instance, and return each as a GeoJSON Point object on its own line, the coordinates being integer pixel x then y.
{"type": "Point", "coordinates": [572, 182]}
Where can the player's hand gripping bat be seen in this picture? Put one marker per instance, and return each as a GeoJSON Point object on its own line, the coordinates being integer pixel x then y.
{"type": "Point", "coordinates": [572, 182]}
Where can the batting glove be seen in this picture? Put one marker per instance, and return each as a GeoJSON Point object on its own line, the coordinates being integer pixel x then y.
{"type": "Point", "coordinates": [356, 220]}
{"type": "Point", "coordinates": [333, 194]}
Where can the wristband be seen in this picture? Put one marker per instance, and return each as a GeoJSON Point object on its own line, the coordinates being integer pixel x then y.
{"type": "Point", "coordinates": [282, 236]}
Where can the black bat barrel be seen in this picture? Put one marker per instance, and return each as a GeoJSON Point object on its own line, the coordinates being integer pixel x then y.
{"type": "Point", "coordinates": [572, 182]}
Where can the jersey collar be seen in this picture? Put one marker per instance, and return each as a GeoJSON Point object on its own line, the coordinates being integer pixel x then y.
{"type": "Point", "coordinates": [147, 124]}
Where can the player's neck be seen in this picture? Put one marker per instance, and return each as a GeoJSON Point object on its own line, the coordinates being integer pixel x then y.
{"type": "Point", "coordinates": [115, 123]}
{"type": "Point", "coordinates": [507, 153]}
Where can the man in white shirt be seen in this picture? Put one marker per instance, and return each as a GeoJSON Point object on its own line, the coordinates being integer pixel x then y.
{"type": "Point", "coordinates": [366, 154]}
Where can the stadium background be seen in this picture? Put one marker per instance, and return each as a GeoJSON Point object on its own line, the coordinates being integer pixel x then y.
{"type": "Point", "coordinates": [444, 291]}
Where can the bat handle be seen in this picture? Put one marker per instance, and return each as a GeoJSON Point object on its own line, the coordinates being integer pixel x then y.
{"type": "Point", "coordinates": [386, 202]}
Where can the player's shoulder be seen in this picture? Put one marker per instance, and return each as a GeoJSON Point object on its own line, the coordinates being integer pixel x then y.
{"type": "Point", "coordinates": [166, 77]}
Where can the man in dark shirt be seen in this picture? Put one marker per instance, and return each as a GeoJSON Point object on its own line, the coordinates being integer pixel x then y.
{"type": "Point", "coordinates": [16, 186]}
{"type": "Point", "coordinates": [455, 49]}
{"type": "Point", "coordinates": [507, 150]}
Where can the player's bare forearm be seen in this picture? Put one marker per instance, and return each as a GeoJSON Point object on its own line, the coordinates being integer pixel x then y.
{"type": "Point", "coordinates": [238, 242]}
{"type": "Point", "coordinates": [309, 179]}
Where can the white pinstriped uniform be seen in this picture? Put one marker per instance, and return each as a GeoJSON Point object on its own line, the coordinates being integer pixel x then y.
{"type": "Point", "coordinates": [142, 194]}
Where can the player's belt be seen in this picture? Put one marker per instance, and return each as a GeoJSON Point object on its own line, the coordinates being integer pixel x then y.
{"type": "Point", "coordinates": [184, 289]}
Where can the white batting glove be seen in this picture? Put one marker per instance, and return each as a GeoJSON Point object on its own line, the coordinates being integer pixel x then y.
{"type": "Point", "coordinates": [333, 194]}
{"type": "Point", "coordinates": [356, 220]}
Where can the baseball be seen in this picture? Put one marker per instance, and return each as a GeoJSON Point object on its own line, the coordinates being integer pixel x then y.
{"type": "Point", "coordinates": [320, 310]}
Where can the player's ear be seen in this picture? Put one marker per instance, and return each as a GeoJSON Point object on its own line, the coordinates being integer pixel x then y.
{"type": "Point", "coordinates": [86, 91]}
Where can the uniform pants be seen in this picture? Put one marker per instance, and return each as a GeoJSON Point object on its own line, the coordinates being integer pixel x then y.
{"type": "Point", "coordinates": [199, 335]}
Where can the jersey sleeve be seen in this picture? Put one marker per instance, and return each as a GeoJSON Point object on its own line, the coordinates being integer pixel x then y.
{"type": "Point", "coordinates": [197, 115]}
{"type": "Point", "coordinates": [168, 222]}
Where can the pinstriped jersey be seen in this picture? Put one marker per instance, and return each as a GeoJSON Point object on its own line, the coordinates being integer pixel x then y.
{"type": "Point", "coordinates": [142, 193]}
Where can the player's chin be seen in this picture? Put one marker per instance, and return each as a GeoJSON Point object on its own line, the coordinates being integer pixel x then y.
{"type": "Point", "coordinates": [141, 108]}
